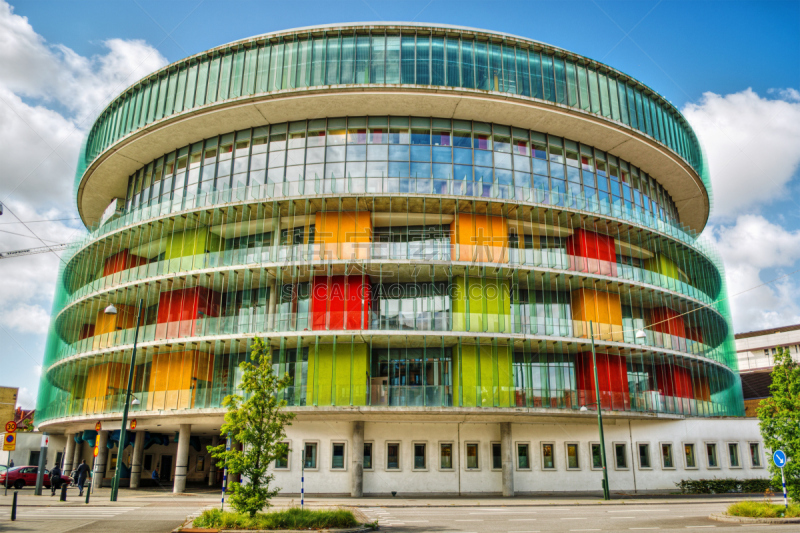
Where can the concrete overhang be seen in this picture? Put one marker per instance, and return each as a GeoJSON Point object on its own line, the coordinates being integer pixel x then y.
{"type": "Point", "coordinates": [106, 177]}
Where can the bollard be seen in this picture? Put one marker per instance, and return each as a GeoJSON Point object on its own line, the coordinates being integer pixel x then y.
{"type": "Point", "coordinates": [14, 506]}
{"type": "Point", "coordinates": [63, 497]}
{"type": "Point", "coordinates": [87, 495]}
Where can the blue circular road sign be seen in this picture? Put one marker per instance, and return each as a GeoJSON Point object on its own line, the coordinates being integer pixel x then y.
{"type": "Point", "coordinates": [780, 458]}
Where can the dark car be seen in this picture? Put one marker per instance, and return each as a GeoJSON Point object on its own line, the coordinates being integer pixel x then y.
{"type": "Point", "coordinates": [22, 476]}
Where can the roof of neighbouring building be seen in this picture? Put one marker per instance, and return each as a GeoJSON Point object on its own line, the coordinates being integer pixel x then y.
{"type": "Point", "coordinates": [771, 331]}
{"type": "Point", "coordinates": [756, 384]}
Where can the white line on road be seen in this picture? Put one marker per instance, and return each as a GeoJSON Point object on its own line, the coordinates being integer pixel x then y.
{"type": "Point", "coordinates": [521, 519]}
{"type": "Point", "coordinates": [469, 520]}
{"type": "Point", "coordinates": [574, 518]}
{"type": "Point", "coordinates": [695, 527]}
{"type": "Point", "coordinates": [585, 530]}
{"type": "Point", "coordinates": [642, 528]}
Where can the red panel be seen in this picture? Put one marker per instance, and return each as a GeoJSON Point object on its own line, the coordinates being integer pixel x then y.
{"type": "Point", "coordinates": [337, 302]}
{"type": "Point", "coordinates": [180, 309]}
{"type": "Point", "coordinates": [665, 320]}
{"type": "Point", "coordinates": [694, 333]}
{"type": "Point", "coordinates": [612, 380]}
{"type": "Point", "coordinates": [87, 330]}
{"type": "Point", "coordinates": [122, 261]}
{"type": "Point", "coordinates": [674, 381]}
{"type": "Point", "coordinates": [592, 252]}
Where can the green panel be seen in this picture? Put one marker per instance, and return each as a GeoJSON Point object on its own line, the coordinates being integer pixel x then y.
{"type": "Point", "coordinates": [192, 242]}
{"type": "Point", "coordinates": [663, 265]}
{"type": "Point", "coordinates": [482, 305]}
{"type": "Point", "coordinates": [331, 372]}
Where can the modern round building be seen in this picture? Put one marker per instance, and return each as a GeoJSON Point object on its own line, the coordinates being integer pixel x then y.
{"type": "Point", "coordinates": [425, 223]}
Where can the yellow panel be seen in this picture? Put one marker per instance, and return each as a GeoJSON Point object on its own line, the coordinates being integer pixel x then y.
{"type": "Point", "coordinates": [124, 319]}
{"type": "Point", "coordinates": [602, 308]}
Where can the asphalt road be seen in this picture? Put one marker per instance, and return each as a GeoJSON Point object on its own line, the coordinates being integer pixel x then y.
{"type": "Point", "coordinates": [662, 518]}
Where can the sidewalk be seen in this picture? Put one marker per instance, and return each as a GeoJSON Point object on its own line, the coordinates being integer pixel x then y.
{"type": "Point", "coordinates": [202, 497]}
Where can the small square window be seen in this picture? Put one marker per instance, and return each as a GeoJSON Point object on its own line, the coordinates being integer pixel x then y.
{"type": "Point", "coordinates": [420, 462]}
{"type": "Point", "coordinates": [497, 456]}
{"type": "Point", "coordinates": [755, 455]}
{"type": "Point", "coordinates": [523, 457]}
{"type": "Point", "coordinates": [597, 457]}
{"type": "Point", "coordinates": [688, 452]}
{"type": "Point", "coordinates": [310, 455]}
{"type": "Point", "coordinates": [711, 454]}
{"type": "Point", "coordinates": [644, 455]}
{"type": "Point", "coordinates": [572, 456]}
{"type": "Point", "coordinates": [337, 456]}
{"type": "Point", "coordinates": [282, 461]}
{"type": "Point", "coordinates": [666, 456]}
{"type": "Point", "coordinates": [148, 462]}
{"type": "Point", "coordinates": [367, 456]}
{"type": "Point", "coordinates": [472, 456]}
{"type": "Point", "coordinates": [393, 456]}
{"type": "Point", "coordinates": [621, 455]}
{"type": "Point", "coordinates": [446, 456]}
{"type": "Point", "coordinates": [548, 457]}
{"type": "Point", "coordinates": [733, 453]}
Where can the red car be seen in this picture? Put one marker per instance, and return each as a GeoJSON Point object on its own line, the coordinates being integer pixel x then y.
{"type": "Point", "coordinates": [21, 476]}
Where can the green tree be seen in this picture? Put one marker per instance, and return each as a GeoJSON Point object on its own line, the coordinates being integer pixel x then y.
{"type": "Point", "coordinates": [257, 420]}
{"type": "Point", "coordinates": [780, 420]}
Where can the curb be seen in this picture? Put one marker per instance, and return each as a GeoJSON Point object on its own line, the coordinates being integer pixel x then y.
{"type": "Point", "coordinates": [724, 517]}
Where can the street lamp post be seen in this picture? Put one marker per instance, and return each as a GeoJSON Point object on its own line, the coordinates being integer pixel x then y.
{"type": "Point", "coordinates": [606, 492]}
{"type": "Point", "coordinates": [111, 310]}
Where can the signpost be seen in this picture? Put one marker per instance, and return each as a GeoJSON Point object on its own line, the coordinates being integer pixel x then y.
{"type": "Point", "coordinates": [779, 458]}
{"type": "Point", "coordinates": [9, 445]}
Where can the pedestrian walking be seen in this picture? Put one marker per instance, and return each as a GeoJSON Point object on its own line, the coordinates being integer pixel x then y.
{"type": "Point", "coordinates": [82, 473]}
{"type": "Point", "coordinates": [11, 463]}
{"type": "Point", "coordinates": [55, 479]}
{"type": "Point", "coordinates": [155, 477]}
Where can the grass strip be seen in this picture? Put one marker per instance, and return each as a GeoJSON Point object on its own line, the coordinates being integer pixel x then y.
{"type": "Point", "coordinates": [294, 518]}
{"type": "Point", "coordinates": [752, 509]}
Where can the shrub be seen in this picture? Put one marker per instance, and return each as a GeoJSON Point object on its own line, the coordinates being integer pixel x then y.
{"type": "Point", "coordinates": [293, 518]}
{"type": "Point", "coordinates": [723, 486]}
{"type": "Point", "coordinates": [763, 510]}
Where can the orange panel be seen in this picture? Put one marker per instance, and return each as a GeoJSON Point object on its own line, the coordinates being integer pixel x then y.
{"type": "Point", "coordinates": [124, 319]}
{"type": "Point", "coordinates": [343, 234]}
{"type": "Point", "coordinates": [602, 308]}
{"type": "Point", "coordinates": [102, 381]}
{"type": "Point", "coordinates": [479, 238]}
{"type": "Point", "coordinates": [174, 376]}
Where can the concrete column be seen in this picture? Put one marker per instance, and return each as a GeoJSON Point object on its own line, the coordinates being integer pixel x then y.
{"type": "Point", "coordinates": [136, 460]}
{"type": "Point", "coordinates": [76, 460]}
{"type": "Point", "coordinates": [507, 453]}
{"type": "Point", "coordinates": [212, 470]}
{"type": "Point", "coordinates": [100, 460]}
{"type": "Point", "coordinates": [69, 454]}
{"type": "Point", "coordinates": [182, 459]}
{"type": "Point", "coordinates": [357, 472]}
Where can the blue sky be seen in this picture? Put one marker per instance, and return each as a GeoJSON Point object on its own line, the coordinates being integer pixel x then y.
{"type": "Point", "coordinates": [732, 67]}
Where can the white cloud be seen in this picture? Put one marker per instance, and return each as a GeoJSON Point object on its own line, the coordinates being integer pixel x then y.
{"type": "Point", "coordinates": [49, 96]}
{"type": "Point", "coordinates": [26, 398]}
{"type": "Point", "coordinates": [752, 144]}
{"type": "Point", "coordinates": [748, 247]}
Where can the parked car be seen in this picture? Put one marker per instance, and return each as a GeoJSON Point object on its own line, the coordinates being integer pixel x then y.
{"type": "Point", "coordinates": [25, 476]}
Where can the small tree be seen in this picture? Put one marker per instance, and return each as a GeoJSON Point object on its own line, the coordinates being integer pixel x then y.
{"type": "Point", "coordinates": [257, 420]}
{"type": "Point", "coordinates": [780, 420]}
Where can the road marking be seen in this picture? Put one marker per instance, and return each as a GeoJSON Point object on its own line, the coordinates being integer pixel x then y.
{"type": "Point", "coordinates": [469, 520]}
{"type": "Point", "coordinates": [585, 530]}
{"type": "Point", "coordinates": [641, 511]}
{"type": "Point", "coordinates": [573, 518]}
{"type": "Point", "coordinates": [521, 519]}
{"type": "Point", "coordinates": [642, 528]}
{"type": "Point", "coordinates": [695, 527]}
{"type": "Point", "coordinates": [613, 517]}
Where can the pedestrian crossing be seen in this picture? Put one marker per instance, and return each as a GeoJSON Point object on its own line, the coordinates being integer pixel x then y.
{"type": "Point", "coordinates": [383, 516]}
{"type": "Point", "coordinates": [65, 513]}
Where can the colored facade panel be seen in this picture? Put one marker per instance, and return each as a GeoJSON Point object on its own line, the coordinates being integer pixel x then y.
{"type": "Point", "coordinates": [102, 382]}
{"type": "Point", "coordinates": [177, 377]}
{"type": "Point", "coordinates": [340, 302]}
{"type": "Point", "coordinates": [665, 320]}
{"type": "Point", "coordinates": [481, 304]}
{"type": "Point", "coordinates": [121, 261]}
{"type": "Point", "coordinates": [612, 380]}
{"type": "Point", "coordinates": [602, 308]}
{"type": "Point", "coordinates": [179, 311]}
{"type": "Point", "coordinates": [191, 242]}
{"type": "Point", "coordinates": [675, 381]}
{"type": "Point", "coordinates": [592, 252]}
{"type": "Point", "coordinates": [124, 319]}
{"type": "Point", "coordinates": [483, 377]}
{"type": "Point", "coordinates": [341, 374]}
{"type": "Point", "coordinates": [479, 238]}
{"type": "Point", "coordinates": [343, 234]}
{"type": "Point", "coordinates": [663, 265]}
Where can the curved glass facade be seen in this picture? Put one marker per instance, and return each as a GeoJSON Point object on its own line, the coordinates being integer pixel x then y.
{"type": "Point", "coordinates": [409, 56]}
{"type": "Point", "coordinates": [393, 262]}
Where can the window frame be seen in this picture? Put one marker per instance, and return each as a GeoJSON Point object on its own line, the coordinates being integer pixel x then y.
{"type": "Point", "coordinates": [288, 457]}
{"type": "Point", "coordinates": [453, 464]}
{"type": "Point", "coordinates": [639, 455]}
{"type": "Point", "coordinates": [694, 451]}
{"type": "Point", "coordinates": [708, 463]}
{"type": "Point", "coordinates": [319, 459]}
{"type": "Point", "coordinates": [661, 455]}
{"type": "Point", "coordinates": [738, 455]}
{"type": "Point", "coordinates": [372, 447]}
{"type": "Point", "coordinates": [477, 445]}
{"type": "Point", "coordinates": [414, 444]}
{"type": "Point", "coordinates": [624, 444]}
{"type": "Point", "coordinates": [517, 444]}
{"type": "Point", "coordinates": [577, 455]}
{"type": "Point", "coordinates": [542, 444]}
{"type": "Point", "coordinates": [591, 457]}
{"type": "Point", "coordinates": [491, 455]}
{"type": "Point", "coordinates": [399, 456]}
{"type": "Point", "coordinates": [344, 457]}
{"type": "Point", "coordinates": [760, 457]}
